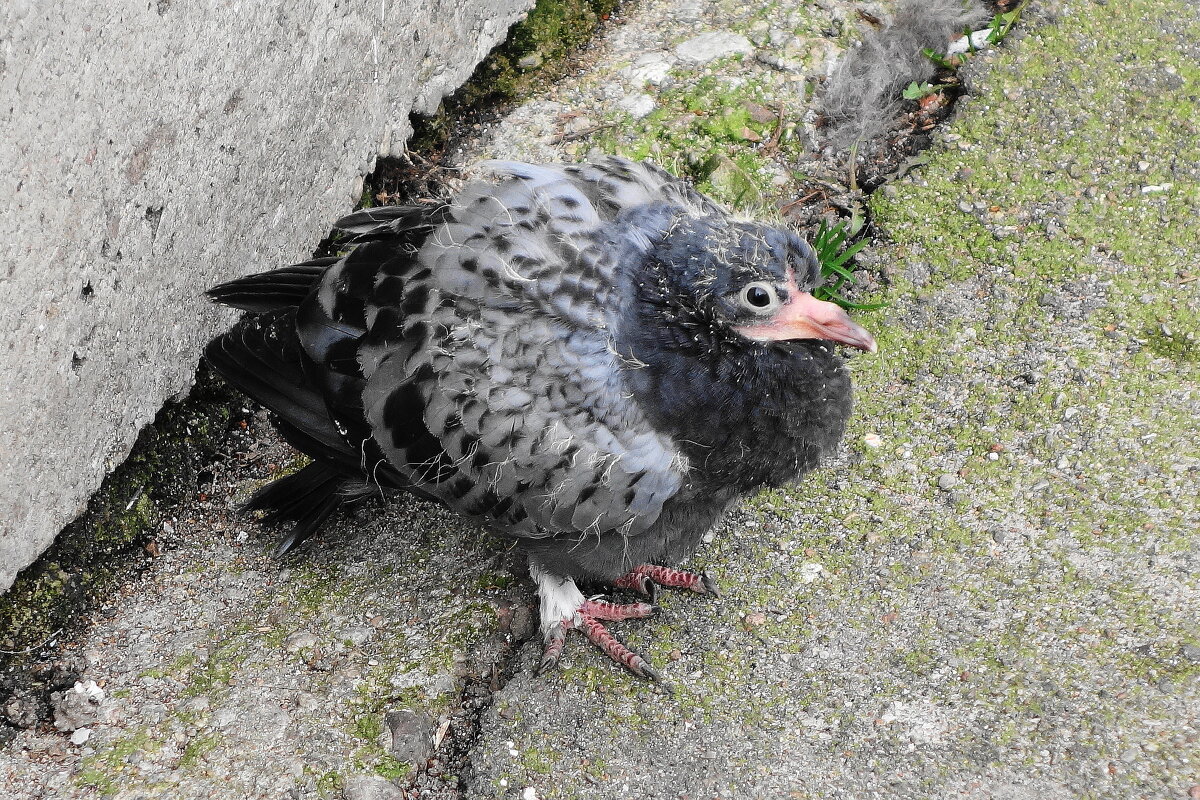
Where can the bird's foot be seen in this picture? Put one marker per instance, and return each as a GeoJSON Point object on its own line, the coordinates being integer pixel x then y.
{"type": "Point", "coordinates": [646, 579]}
{"type": "Point", "coordinates": [587, 620]}
{"type": "Point", "coordinates": [563, 608]}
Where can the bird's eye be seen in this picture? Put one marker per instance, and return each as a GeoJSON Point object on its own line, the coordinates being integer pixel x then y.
{"type": "Point", "coordinates": [759, 297]}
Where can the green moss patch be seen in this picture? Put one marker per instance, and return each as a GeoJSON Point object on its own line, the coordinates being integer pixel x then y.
{"type": "Point", "coordinates": [121, 517]}
{"type": "Point", "coordinates": [536, 53]}
{"type": "Point", "coordinates": [712, 132]}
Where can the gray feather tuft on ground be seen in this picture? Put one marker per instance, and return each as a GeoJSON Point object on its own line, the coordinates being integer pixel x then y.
{"type": "Point", "coordinates": [862, 96]}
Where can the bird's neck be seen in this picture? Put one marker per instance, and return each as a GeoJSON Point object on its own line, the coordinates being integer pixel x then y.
{"type": "Point", "coordinates": [746, 414]}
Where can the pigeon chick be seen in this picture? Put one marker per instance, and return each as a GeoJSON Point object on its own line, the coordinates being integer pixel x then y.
{"type": "Point", "coordinates": [594, 360]}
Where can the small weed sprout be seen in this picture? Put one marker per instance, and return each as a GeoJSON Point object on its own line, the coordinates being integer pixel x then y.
{"type": "Point", "coordinates": [1001, 24]}
{"type": "Point", "coordinates": [916, 91]}
{"type": "Point", "coordinates": [833, 256]}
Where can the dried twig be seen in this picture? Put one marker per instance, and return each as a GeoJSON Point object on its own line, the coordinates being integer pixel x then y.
{"type": "Point", "coordinates": [573, 135]}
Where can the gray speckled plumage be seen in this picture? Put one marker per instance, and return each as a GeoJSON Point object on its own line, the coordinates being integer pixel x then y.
{"type": "Point", "coordinates": [508, 345]}
{"type": "Point", "coordinates": [566, 354]}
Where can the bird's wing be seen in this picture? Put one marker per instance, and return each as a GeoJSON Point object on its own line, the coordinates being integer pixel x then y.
{"type": "Point", "coordinates": [613, 184]}
{"type": "Point", "coordinates": [499, 348]}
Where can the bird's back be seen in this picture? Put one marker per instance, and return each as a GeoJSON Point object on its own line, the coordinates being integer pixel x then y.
{"type": "Point", "coordinates": [465, 353]}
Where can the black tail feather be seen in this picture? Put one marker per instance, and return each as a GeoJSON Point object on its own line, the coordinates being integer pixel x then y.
{"type": "Point", "coordinates": [388, 221]}
{"type": "Point", "coordinates": [305, 499]}
{"type": "Point", "coordinates": [262, 357]}
{"type": "Point", "coordinates": [270, 291]}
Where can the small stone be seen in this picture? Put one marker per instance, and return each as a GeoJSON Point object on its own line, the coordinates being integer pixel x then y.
{"type": "Point", "coordinates": [77, 707]}
{"type": "Point", "coordinates": [710, 46]}
{"type": "Point", "coordinates": [999, 536]}
{"type": "Point", "coordinates": [523, 623]}
{"type": "Point", "coordinates": [300, 640]}
{"type": "Point", "coordinates": [21, 711]}
{"type": "Point", "coordinates": [947, 482]}
{"type": "Point", "coordinates": [651, 68]}
{"type": "Point", "coordinates": [355, 636]}
{"type": "Point", "coordinates": [811, 572]}
{"type": "Point", "coordinates": [412, 735]}
{"type": "Point", "coordinates": [580, 124]}
{"type": "Point", "coordinates": [755, 620]}
{"type": "Point", "coordinates": [199, 703]}
{"type": "Point", "coordinates": [1190, 651]}
{"type": "Point", "coordinates": [759, 113]}
{"type": "Point", "coordinates": [81, 735]}
{"type": "Point", "coordinates": [638, 105]}
{"type": "Point", "coordinates": [529, 793]}
{"type": "Point", "coordinates": [371, 787]}
{"type": "Point", "coordinates": [531, 61]}
{"type": "Point", "coordinates": [873, 440]}
{"type": "Point", "coordinates": [760, 32]}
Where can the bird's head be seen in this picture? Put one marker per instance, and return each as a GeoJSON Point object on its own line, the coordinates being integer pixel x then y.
{"type": "Point", "coordinates": [729, 279]}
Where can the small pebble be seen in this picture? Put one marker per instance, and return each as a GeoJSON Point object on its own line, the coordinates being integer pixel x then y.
{"type": "Point", "coordinates": [947, 482]}
{"type": "Point", "coordinates": [371, 787]}
{"type": "Point", "coordinates": [713, 45]}
{"type": "Point", "coordinates": [300, 640]}
{"type": "Point", "coordinates": [638, 105]}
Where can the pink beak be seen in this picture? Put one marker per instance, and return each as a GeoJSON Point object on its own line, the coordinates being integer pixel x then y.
{"type": "Point", "coordinates": [806, 317]}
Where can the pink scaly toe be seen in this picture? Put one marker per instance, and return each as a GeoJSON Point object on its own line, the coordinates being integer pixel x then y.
{"type": "Point", "coordinates": [646, 579]}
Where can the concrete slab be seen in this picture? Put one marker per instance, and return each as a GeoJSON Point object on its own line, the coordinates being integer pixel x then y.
{"type": "Point", "coordinates": [149, 150]}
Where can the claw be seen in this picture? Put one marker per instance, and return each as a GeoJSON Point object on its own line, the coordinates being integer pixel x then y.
{"type": "Point", "coordinates": [639, 582]}
{"type": "Point", "coordinates": [646, 579]}
{"type": "Point", "coordinates": [556, 639]}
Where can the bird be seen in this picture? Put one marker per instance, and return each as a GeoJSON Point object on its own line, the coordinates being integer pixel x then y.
{"type": "Point", "coordinates": [594, 360]}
